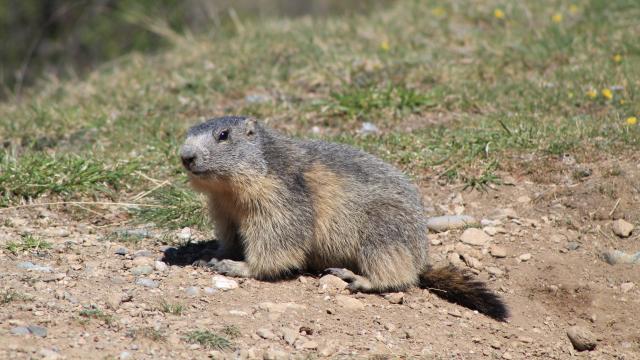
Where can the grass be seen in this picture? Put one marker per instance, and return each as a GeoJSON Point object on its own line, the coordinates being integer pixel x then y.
{"type": "Point", "coordinates": [28, 242]}
{"type": "Point", "coordinates": [9, 296]}
{"type": "Point", "coordinates": [208, 339]}
{"type": "Point", "coordinates": [95, 313]}
{"type": "Point", "coordinates": [231, 331]}
{"type": "Point", "coordinates": [477, 93]}
{"type": "Point", "coordinates": [150, 333]}
{"type": "Point", "coordinates": [171, 308]}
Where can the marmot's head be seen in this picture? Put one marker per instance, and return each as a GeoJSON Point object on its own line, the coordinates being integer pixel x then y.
{"type": "Point", "coordinates": [224, 147]}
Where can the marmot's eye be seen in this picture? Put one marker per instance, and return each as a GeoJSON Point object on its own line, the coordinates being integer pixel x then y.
{"type": "Point", "coordinates": [223, 135]}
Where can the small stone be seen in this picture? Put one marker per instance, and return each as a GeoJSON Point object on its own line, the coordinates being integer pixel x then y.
{"type": "Point", "coordinates": [622, 228]}
{"type": "Point", "coordinates": [289, 335]}
{"type": "Point", "coordinates": [192, 291]}
{"type": "Point", "coordinates": [185, 234]}
{"type": "Point", "coordinates": [454, 259]}
{"type": "Point", "coordinates": [507, 356]}
{"type": "Point", "coordinates": [57, 232]}
{"type": "Point", "coordinates": [121, 251]}
{"type": "Point", "coordinates": [524, 257]}
{"type": "Point", "coordinates": [124, 355]}
{"type": "Point", "coordinates": [37, 330]}
{"type": "Point", "coordinates": [450, 222]}
{"type": "Point", "coordinates": [490, 230]}
{"type": "Point", "coordinates": [48, 354]}
{"type": "Point", "coordinates": [349, 303]}
{"type": "Point", "coordinates": [368, 128]}
{"type": "Point", "coordinates": [495, 344]}
{"type": "Point", "coordinates": [34, 267]}
{"type": "Point", "coordinates": [523, 199]}
{"type": "Point", "coordinates": [498, 251]}
{"type": "Point", "coordinates": [147, 283]}
{"type": "Point", "coordinates": [143, 253]}
{"type": "Point", "coordinates": [472, 262]}
{"type": "Point", "coordinates": [626, 287]}
{"type": "Point", "coordinates": [210, 290]}
{"type": "Point", "coordinates": [332, 284]}
{"type": "Point", "coordinates": [619, 257]}
{"type": "Point", "coordinates": [273, 353]}
{"type": "Point", "coordinates": [142, 270]}
{"type": "Point", "coordinates": [455, 313]}
{"type": "Point", "coordinates": [572, 245]}
{"type": "Point", "coordinates": [309, 345]}
{"type": "Point", "coordinates": [160, 266]}
{"type": "Point", "coordinates": [501, 214]}
{"type": "Point", "coordinates": [581, 338]}
{"type": "Point", "coordinates": [113, 301]}
{"type": "Point", "coordinates": [475, 237]}
{"type": "Point", "coordinates": [265, 333]}
{"type": "Point", "coordinates": [494, 271]}
{"type": "Point", "coordinates": [238, 313]}
{"type": "Point", "coordinates": [20, 330]}
{"type": "Point", "coordinates": [395, 298]}
{"type": "Point", "coordinates": [326, 350]}
{"type": "Point", "coordinates": [223, 283]}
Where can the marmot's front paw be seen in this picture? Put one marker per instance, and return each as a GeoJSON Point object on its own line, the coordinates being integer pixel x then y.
{"type": "Point", "coordinates": [231, 268]}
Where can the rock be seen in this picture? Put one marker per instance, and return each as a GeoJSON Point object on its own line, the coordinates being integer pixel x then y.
{"type": "Point", "coordinates": [619, 257]}
{"type": "Point", "coordinates": [142, 270]}
{"type": "Point", "coordinates": [160, 266]}
{"type": "Point", "coordinates": [494, 271]}
{"type": "Point", "coordinates": [572, 245]}
{"type": "Point", "coordinates": [56, 232]}
{"type": "Point", "coordinates": [490, 230]}
{"type": "Point", "coordinates": [223, 283]}
{"type": "Point", "coordinates": [113, 301]}
{"type": "Point", "coordinates": [472, 262]}
{"type": "Point", "coordinates": [143, 253]}
{"type": "Point", "coordinates": [146, 282]}
{"type": "Point", "coordinates": [20, 330]}
{"type": "Point", "coordinates": [185, 234]}
{"type": "Point", "coordinates": [395, 298]}
{"type": "Point", "coordinates": [496, 345]}
{"type": "Point", "coordinates": [273, 353]}
{"type": "Point", "coordinates": [524, 257]}
{"type": "Point", "coordinates": [454, 259]}
{"type": "Point", "coordinates": [622, 228]}
{"type": "Point", "coordinates": [507, 356]}
{"type": "Point", "coordinates": [48, 354]}
{"type": "Point", "coordinates": [523, 199]}
{"type": "Point", "coordinates": [265, 333]}
{"type": "Point", "coordinates": [124, 355]}
{"type": "Point", "coordinates": [501, 214]}
{"type": "Point", "coordinates": [487, 222]}
{"type": "Point", "coordinates": [450, 222]}
{"type": "Point", "coordinates": [238, 313]}
{"type": "Point", "coordinates": [349, 303]}
{"type": "Point", "coordinates": [326, 349]}
{"type": "Point", "coordinates": [38, 331]}
{"type": "Point", "coordinates": [192, 291]}
{"type": "Point", "coordinates": [289, 335]}
{"type": "Point", "coordinates": [309, 345]}
{"type": "Point", "coordinates": [142, 261]}
{"type": "Point", "coordinates": [280, 307]}
{"type": "Point", "coordinates": [121, 251]}
{"type": "Point", "coordinates": [581, 338]}
{"type": "Point", "coordinates": [210, 290]}
{"type": "Point", "coordinates": [25, 265]}
{"type": "Point", "coordinates": [475, 237]}
{"type": "Point", "coordinates": [257, 99]}
{"type": "Point", "coordinates": [626, 287]}
{"type": "Point", "coordinates": [332, 284]}
{"type": "Point", "coordinates": [368, 128]}
{"type": "Point", "coordinates": [498, 251]}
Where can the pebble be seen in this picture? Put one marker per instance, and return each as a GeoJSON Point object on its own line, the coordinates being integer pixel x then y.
{"type": "Point", "coordinates": [326, 350]}
{"type": "Point", "coordinates": [309, 345]}
{"type": "Point", "coordinates": [498, 251]}
{"type": "Point", "coordinates": [572, 245]}
{"type": "Point", "coordinates": [619, 257]}
{"type": "Point", "coordinates": [147, 283]}
{"type": "Point", "coordinates": [139, 233]}
{"type": "Point", "coordinates": [265, 333]}
{"type": "Point", "coordinates": [523, 199]}
{"type": "Point", "coordinates": [223, 283]}
{"type": "Point", "coordinates": [160, 266]}
{"type": "Point", "coordinates": [494, 271]}
{"type": "Point", "coordinates": [210, 290]}
{"type": "Point", "coordinates": [37, 330]}
{"type": "Point", "coordinates": [332, 284]}
{"type": "Point", "coordinates": [395, 298]}
{"type": "Point", "coordinates": [368, 128]}
{"type": "Point", "coordinates": [490, 230]}
{"type": "Point", "coordinates": [501, 214]}
{"type": "Point", "coordinates": [273, 353]}
{"type": "Point", "coordinates": [192, 291]}
{"type": "Point", "coordinates": [450, 222]}
{"type": "Point", "coordinates": [257, 99]}
{"type": "Point", "coordinates": [289, 335]}
{"type": "Point", "coordinates": [143, 253]}
{"type": "Point", "coordinates": [124, 355]}
{"type": "Point", "coordinates": [507, 356]}
{"type": "Point", "coordinates": [142, 270]}
{"type": "Point", "coordinates": [581, 338]}
{"type": "Point", "coordinates": [475, 237]}
{"type": "Point", "coordinates": [472, 262]}
{"type": "Point", "coordinates": [20, 330]}
{"type": "Point", "coordinates": [48, 354]}
{"type": "Point", "coordinates": [280, 307]}
{"type": "Point", "coordinates": [349, 303]}
{"type": "Point", "coordinates": [185, 234]}
{"type": "Point", "coordinates": [622, 228]}
{"type": "Point", "coordinates": [525, 257]}
{"type": "Point", "coordinates": [626, 287]}
{"type": "Point", "coordinates": [25, 265]}
{"type": "Point", "coordinates": [121, 251]}
{"type": "Point", "coordinates": [454, 259]}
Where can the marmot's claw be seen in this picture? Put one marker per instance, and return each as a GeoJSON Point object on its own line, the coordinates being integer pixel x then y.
{"type": "Point", "coordinates": [232, 268]}
{"type": "Point", "coordinates": [213, 262]}
{"type": "Point", "coordinates": [343, 274]}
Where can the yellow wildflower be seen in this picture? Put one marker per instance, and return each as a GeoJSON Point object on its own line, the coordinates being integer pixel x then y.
{"type": "Point", "coordinates": [622, 101]}
{"type": "Point", "coordinates": [617, 58]}
{"type": "Point", "coordinates": [573, 9]}
{"type": "Point", "coordinates": [632, 120]}
{"type": "Point", "coordinates": [607, 94]}
{"type": "Point", "coordinates": [556, 18]}
{"type": "Point", "coordinates": [592, 94]}
{"type": "Point", "coordinates": [438, 11]}
{"type": "Point", "coordinates": [384, 45]}
{"type": "Point", "coordinates": [498, 13]}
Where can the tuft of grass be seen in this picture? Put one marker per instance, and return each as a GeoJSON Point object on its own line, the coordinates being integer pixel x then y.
{"type": "Point", "coordinates": [28, 242]}
{"type": "Point", "coordinates": [9, 296]}
{"type": "Point", "coordinates": [483, 181]}
{"type": "Point", "coordinates": [358, 102]}
{"type": "Point", "coordinates": [35, 174]}
{"type": "Point", "coordinates": [208, 339]}
{"type": "Point", "coordinates": [232, 331]}
{"type": "Point", "coordinates": [171, 308]}
{"type": "Point", "coordinates": [150, 333]}
{"type": "Point", "coordinates": [180, 207]}
{"type": "Point", "coordinates": [95, 313]}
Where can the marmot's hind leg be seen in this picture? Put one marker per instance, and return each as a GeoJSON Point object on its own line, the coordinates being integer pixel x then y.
{"type": "Point", "coordinates": [356, 282]}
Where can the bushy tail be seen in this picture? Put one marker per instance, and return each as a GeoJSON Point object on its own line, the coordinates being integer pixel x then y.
{"type": "Point", "coordinates": [458, 286]}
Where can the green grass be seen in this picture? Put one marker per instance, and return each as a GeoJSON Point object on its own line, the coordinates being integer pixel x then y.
{"type": "Point", "coordinates": [172, 308]}
{"type": "Point", "coordinates": [28, 242]}
{"type": "Point", "coordinates": [477, 93]}
{"type": "Point", "coordinates": [231, 331]}
{"type": "Point", "coordinates": [95, 313]}
{"type": "Point", "coordinates": [208, 339]}
{"type": "Point", "coordinates": [150, 333]}
{"type": "Point", "coordinates": [9, 296]}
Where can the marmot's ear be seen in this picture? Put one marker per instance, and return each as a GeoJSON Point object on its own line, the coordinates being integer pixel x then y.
{"type": "Point", "coordinates": [250, 126]}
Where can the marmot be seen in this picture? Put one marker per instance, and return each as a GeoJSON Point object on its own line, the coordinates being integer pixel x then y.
{"type": "Point", "coordinates": [282, 205]}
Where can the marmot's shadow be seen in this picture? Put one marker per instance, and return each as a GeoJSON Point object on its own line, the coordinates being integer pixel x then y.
{"type": "Point", "coordinates": [191, 252]}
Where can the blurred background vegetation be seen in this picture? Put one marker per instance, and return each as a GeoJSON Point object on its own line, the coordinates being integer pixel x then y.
{"type": "Point", "coordinates": [67, 38]}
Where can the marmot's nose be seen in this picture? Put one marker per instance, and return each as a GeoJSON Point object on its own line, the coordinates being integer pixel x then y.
{"type": "Point", "coordinates": [188, 156]}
